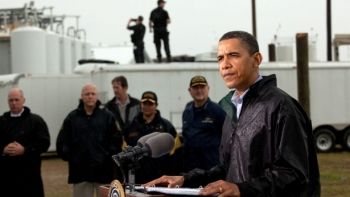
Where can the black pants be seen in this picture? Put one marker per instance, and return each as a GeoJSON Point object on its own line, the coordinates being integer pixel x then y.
{"type": "Point", "coordinates": [160, 35]}
{"type": "Point", "coordinates": [139, 52]}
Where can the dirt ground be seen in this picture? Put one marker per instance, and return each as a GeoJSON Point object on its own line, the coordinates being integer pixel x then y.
{"type": "Point", "coordinates": [55, 176]}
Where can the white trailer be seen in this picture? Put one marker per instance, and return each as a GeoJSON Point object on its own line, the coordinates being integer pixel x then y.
{"type": "Point", "coordinates": [53, 96]}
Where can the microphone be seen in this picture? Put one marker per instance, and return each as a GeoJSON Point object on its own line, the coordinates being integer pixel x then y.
{"type": "Point", "coordinates": [152, 145]}
{"type": "Point", "coordinates": [143, 139]}
{"type": "Point", "coordinates": [160, 145]}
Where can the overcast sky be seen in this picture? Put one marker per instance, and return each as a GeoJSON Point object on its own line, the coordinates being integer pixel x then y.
{"type": "Point", "coordinates": [197, 24]}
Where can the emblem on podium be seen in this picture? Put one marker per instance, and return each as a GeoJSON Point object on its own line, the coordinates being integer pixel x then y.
{"type": "Point", "coordinates": [116, 189]}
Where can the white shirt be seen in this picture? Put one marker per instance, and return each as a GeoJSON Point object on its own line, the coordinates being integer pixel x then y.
{"type": "Point", "coordinates": [238, 100]}
{"type": "Point", "coordinates": [17, 115]}
{"type": "Point", "coordinates": [122, 107]}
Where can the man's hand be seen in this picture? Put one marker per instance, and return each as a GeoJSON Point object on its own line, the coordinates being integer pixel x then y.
{"type": "Point", "coordinates": [169, 181]}
{"type": "Point", "coordinates": [221, 188]}
{"type": "Point", "coordinates": [13, 149]}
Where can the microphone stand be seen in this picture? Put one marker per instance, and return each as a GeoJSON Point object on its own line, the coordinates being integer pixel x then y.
{"type": "Point", "coordinates": [131, 165]}
{"type": "Point", "coordinates": [131, 175]}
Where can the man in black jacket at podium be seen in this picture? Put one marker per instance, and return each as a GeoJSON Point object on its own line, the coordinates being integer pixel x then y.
{"type": "Point", "coordinates": [270, 150]}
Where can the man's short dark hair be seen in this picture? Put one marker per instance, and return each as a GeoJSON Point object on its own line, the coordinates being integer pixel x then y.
{"type": "Point", "coordinates": [246, 38]}
{"type": "Point", "coordinates": [160, 1]}
{"type": "Point", "coordinates": [122, 80]}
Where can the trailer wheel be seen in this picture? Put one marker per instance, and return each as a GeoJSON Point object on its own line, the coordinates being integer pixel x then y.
{"type": "Point", "coordinates": [346, 140]}
{"type": "Point", "coordinates": [325, 140]}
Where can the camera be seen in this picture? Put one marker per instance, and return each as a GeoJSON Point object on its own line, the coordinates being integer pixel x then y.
{"type": "Point", "coordinates": [134, 19]}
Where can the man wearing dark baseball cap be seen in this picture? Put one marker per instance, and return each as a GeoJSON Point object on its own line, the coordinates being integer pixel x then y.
{"type": "Point", "coordinates": [198, 80]}
{"type": "Point", "coordinates": [150, 97]}
{"type": "Point", "coordinates": [202, 121]}
{"type": "Point", "coordinates": [148, 121]}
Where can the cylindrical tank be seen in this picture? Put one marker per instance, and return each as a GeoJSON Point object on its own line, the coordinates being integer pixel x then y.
{"type": "Point", "coordinates": [77, 52]}
{"type": "Point", "coordinates": [53, 53]}
{"type": "Point", "coordinates": [28, 50]}
{"type": "Point", "coordinates": [312, 52]}
{"type": "Point", "coordinates": [66, 55]}
{"type": "Point", "coordinates": [86, 50]}
{"type": "Point", "coordinates": [284, 53]}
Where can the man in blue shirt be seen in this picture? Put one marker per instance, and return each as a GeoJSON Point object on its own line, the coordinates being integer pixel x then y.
{"type": "Point", "coordinates": [202, 125]}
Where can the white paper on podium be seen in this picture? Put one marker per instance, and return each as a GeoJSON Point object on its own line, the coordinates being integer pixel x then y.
{"type": "Point", "coordinates": [172, 191]}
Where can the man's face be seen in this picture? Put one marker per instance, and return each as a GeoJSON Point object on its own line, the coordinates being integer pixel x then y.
{"type": "Point", "coordinates": [118, 90]}
{"type": "Point", "coordinates": [89, 96]}
{"type": "Point", "coordinates": [199, 93]}
{"type": "Point", "coordinates": [148, 108]}
{"type": "Point", "coordinates": [16, 101]}
{"type": "Point", "coordinates": [238, 67]}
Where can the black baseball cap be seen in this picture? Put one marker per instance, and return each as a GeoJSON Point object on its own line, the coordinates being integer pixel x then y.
{"type": "Point", "coordinates": [198, 80]}
{"type": "Point", "coordinates": [149, 96]}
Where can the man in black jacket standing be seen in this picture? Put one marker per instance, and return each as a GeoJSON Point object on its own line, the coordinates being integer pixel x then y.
{"type": "Point", "coordinates": [137, 38]}
{"type": "Point", "coordinates": [123, 106]}
{"type": "Point", "coordinates": [23, 137]}
{"type": "Point", "coordinates": [87, 140]}
{"type": "Point", "coordinates": [158, 22]}
{"type": "Point", "coordinates": [270, 149]}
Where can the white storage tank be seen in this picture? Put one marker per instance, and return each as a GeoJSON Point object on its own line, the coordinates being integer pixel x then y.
{"type": "Point", "coordinates": [284, 53]}
{"type": "Point", "coordinates": [313, 48]}
{"type": "Point", "coordinates": [53, 53]}
{"type": "Point", "coordinates": [77, 52]}
{"type": "Point", "coordinates": [66, 55]}
{"type": "Point", "coordinates": [313, 52]}
{"type": "Point", "coordinates": [86, 50]}
{"type": "Point", "coordinates": [28, 50]}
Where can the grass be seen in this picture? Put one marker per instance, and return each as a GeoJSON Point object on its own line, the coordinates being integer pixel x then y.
{"type": "Point", "coordinates": [335, 174]}
{"type": "Point", "coordinates": [334, 169]}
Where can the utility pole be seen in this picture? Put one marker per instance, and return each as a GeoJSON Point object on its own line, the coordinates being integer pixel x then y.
{"type": "Point", "coordinates": [329, 30]}
{"type": "Point", "coordinates": [303, 71]}
{"type": "Point", "coordinates": [254, 19]}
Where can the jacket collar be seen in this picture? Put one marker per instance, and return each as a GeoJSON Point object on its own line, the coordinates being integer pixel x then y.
{"type": "Point", "coordinates": [81, 106]}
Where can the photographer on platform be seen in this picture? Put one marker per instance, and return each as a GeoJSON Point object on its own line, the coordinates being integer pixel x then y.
{"type": "Point", "coordinates": [137, 38]}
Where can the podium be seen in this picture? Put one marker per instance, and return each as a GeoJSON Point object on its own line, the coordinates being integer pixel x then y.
{"type": "Point", "coordinates": [104, 191]}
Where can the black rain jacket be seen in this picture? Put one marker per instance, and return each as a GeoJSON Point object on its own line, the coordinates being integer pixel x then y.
{"type": "Point", "coordinates": [23, 172]}
{"type": "Point", "coordinates": [88, 143]}
{"type": "Point", "coordinates": [270, 151]}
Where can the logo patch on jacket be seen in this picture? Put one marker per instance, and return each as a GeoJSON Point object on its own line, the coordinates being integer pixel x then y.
{"type": "Point", "coordinates": [208, 120]}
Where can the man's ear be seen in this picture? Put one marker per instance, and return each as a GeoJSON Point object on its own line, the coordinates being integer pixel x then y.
{"type": "Point", "coordinates": [258, 59]}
